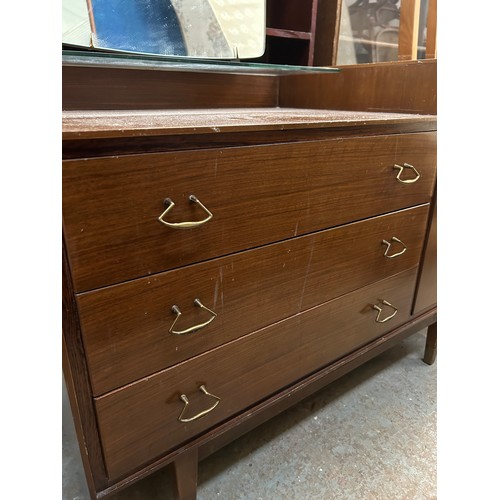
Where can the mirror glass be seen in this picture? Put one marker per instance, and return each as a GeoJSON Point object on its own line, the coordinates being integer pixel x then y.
{"type": "Point", "coordinates": [369, 31]}
{"type": "Point", "coordinates": [210, 29]}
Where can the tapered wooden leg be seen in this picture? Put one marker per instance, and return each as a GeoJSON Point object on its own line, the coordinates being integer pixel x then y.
{"type": "Point", "coordinates": [186, 474]}
{"type": "Point", "coordinates": [431, 344]}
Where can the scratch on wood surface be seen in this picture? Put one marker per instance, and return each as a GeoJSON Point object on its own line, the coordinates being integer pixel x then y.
{"type": "Point", "coordinates": [216, 292]}
{"type": "Point", "coordinates": [221, 277]}
{"type": "Point", "coordinates": [306, 276]}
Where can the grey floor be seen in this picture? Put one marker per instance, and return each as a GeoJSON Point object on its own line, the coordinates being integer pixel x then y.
{"type": "Point", "coordinates": [369, 435]}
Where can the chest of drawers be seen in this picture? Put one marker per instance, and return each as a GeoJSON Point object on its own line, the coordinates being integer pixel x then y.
{"type": "Point", "coordinates": [221, 266]}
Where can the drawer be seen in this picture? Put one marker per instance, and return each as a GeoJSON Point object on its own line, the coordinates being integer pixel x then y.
{"type": "Point", "coordinates": [126, 328]}
{"type": "Point", "coordinates": [256, 195]}
{"type": "Point", "coordinates": [140, 422]}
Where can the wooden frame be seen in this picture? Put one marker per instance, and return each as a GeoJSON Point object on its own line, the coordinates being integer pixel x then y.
{"type": "Point", "coordinates": [431, 46]}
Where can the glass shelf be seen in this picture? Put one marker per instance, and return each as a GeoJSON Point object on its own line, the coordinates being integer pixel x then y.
{"type": "Point", "coordinates": [164, 63]}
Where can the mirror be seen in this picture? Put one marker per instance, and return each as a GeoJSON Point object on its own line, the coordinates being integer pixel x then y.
{"type": "Point", "coordinates": [373, 31]}
{"type": "Point", "coordinates": [208, 29]}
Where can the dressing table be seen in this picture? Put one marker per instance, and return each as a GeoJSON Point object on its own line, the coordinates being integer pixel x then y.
{"type": "Point", "coordinates": [233, 241]}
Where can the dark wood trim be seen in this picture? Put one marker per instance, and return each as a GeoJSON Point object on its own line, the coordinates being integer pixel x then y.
{"type": "Point", "coordinates": [282, 33]}
{"type": "Point", "coordinates": [431, 344]}
{"type": "Point", "coordinates": [327, 26]}
{"type": "Point", "coordinates": [78, 385]}
{"type": "Point", "coordinates": [90, 148]}
{"type": "Point", "coordinates": [212, 441]}
{"type": "Point", "coordinates": [430, 49]}
{"type": "Point", "coordinates": [74, 149]}
{"type": "Point", "coordinates": [312, 45]}
{"type": "Point", "coordinates": [126, 88]}
{"type": "Point", "coordinates": [186, 474]}
{"type": "Point", "coordinates": [403, 87]}
{"type": "Point", "coordinates": [421, 300]}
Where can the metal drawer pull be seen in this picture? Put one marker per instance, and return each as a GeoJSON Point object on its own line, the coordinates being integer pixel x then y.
{"type": "Point", "coordinates": [176, 310]}
{"type": "Point", "coordinates": [379, 309]}
{"type": "Point", "coordinates": [184, 225]}
{"type": "Point", "coordinates": [204, 412]}
{"type": "Point", "coordinates": [401, 168]}
{"type": "Point", "coordinates": [397, 240]}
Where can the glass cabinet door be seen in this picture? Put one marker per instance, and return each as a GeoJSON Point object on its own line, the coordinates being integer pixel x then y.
{"type": "Point", "coordinates": [372, 31]}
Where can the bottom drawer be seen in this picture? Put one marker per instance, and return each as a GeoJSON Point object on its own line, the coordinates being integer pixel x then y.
{"type": "Point", "coordinates": [148, 418]}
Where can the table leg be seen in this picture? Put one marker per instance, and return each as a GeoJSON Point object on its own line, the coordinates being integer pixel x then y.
{"type": "Point", "coordinates": [431, 344]}
{"type": "Point", "coordinates": [186, 474]}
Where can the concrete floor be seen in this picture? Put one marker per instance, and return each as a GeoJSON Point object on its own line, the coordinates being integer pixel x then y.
{"type": "Point", "coordinates": [369, 435]}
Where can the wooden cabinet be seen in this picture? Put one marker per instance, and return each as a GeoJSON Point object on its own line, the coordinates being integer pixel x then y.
{"type": "Point", "coordinates": [291, 31]}
{"type": "Point", "coordinates": [221, 266]}
{"type": "Point", "coordinates": [339, 33]}
{"type": "Point", "coordinates": [301, 32]}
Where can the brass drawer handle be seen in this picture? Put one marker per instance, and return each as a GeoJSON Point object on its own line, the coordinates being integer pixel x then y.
{"type": "Point", "coordinates": [176, 310]}
{"type": "Point", "coordinates": [204, 412]}
{"type": "Point", "coordinates": [188, 224]}
{"type": "Point", "coordinates": [401, 168]}
{"type": "Point", "coordinates": [397, 240]}
{"type": "Point", "coordinates": [379, 309]}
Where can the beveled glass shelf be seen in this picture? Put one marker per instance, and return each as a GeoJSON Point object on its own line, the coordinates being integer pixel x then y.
{"type": "Point", "coordinates": [164, 63]}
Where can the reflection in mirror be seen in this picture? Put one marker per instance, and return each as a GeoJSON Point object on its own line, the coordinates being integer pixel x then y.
{"type": "Point", "coordinates": [212, 29]}
{"type": "Point", "coordinates": [370, 30]}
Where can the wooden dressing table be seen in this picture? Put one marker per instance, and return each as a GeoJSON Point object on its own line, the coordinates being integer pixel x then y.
{"type": "Point", "coordinates": [233, 243]}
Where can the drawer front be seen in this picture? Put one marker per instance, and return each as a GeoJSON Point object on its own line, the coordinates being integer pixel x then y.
{"type": "Point", "coordinates": [140, 422]}
{"type": "Point", "coordinates": [127, 327]}
{"type": "Point", "coordinates": [257, 195]}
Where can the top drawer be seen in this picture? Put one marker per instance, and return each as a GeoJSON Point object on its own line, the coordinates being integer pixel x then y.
{"type": "Point", "coordinates": [257, 195]}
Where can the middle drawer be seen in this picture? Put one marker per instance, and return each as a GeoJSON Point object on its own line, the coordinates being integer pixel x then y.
{"type": "Point", "coordinates": [132, 330]}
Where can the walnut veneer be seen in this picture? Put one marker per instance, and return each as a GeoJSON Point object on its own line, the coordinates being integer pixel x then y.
{"type": "Point", "coordinates": [316, 257]}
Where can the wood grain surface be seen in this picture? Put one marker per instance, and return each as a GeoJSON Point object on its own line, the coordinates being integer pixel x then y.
{"type": "Point", "coordinates": [258, 195]}
{"type": "Point", "coordinates": [83, 147]}
{"type": "Point", "coordinates": [77, 380]}
{"type": "Point", "coordinates": [100, 124]}
{"type": "Point", "coordinates": [140, 422]}
{"type": "Point", "coordinates": [292, 261]}
{"type": "Point", "coordinates": [96, 88]}
{"type": "Point", "coordinates": [126, 327]}
{"type": "Point", "coordinates": [404, 87]}
{"type": "Point", "coordinates": [207, 443]}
